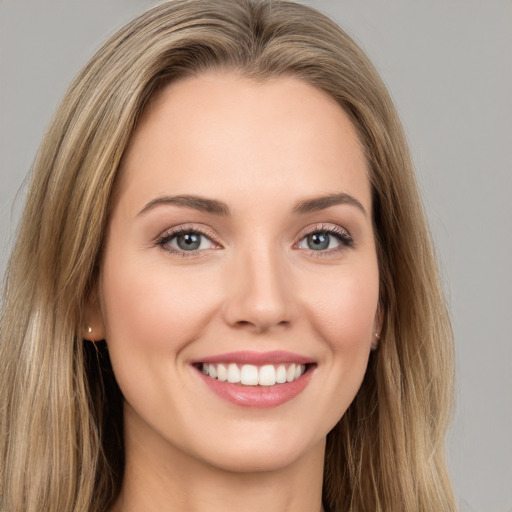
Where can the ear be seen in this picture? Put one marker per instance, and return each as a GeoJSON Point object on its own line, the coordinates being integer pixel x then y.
{"type": "Point", "coordinates": [379, 319]}
{"type": "Point", "coordinates": [377, 327]}
{"type": "Point", "coordinates": [94, 328]}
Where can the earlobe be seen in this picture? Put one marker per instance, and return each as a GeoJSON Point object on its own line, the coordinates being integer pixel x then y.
{"type": "Point", "coordinates": [377, 328]}
{"type": "Point", "coordinates": [375, 341]}
{"type": "Point", "coordinates": [94, 328]}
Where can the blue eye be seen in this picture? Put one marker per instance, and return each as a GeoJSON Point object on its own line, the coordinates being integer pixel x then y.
{"type": "Point", "coordinates": [188, 241]}
{"type": "Point", "coordinates": [320, 241]}
{"type": "Point", "coordinates": [185, 240]}
{"type": "Point", "coordinates": [325, 240]}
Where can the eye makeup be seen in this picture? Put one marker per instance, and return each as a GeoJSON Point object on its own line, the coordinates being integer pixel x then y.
{"type": "Point", "coordinates": [191, 240]}
{"type": "Point", "coordinates": [187, 241]}
{"type": "Point", "coordinates": [318, 239]}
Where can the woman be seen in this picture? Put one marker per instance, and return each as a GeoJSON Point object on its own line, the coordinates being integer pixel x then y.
{"type": "Point", "coordinates": [223, 293]}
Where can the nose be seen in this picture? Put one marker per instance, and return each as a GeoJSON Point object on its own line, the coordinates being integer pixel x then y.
{"type": "Point", "coordinates": [260, 293]}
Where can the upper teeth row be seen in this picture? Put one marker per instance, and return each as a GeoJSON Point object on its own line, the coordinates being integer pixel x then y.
{"type": "Point", "coordinates": [251, 375]}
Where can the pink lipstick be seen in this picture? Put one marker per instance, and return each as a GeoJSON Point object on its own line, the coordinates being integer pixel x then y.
{"type": "Point", "coordinates": [256, 379]}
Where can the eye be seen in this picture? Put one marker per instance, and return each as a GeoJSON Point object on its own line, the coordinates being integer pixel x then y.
{"type": "Point", "coordinates": [318, 242]}
{"type": "Point", "coordinates": [326, 239]}
{"type": "Point", "coordinates": [185, 240]}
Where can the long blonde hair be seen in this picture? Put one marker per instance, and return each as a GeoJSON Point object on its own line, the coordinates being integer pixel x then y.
{"type": "Point", "coordinates": [61, 442]}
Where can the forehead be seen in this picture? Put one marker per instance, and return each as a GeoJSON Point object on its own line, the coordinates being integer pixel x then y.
{"type": "Point", "coordinates": [220, 132]}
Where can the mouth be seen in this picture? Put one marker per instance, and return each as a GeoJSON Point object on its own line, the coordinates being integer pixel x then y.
{"type": "Point", "coordinates": [253, 375]}
{"type": "Point", "coordinates": [259, 380]}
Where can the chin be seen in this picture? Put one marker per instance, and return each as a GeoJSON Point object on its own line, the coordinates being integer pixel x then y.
{"type": "Point", "coordinates": [265, 451]}
{"type": "Point", "coordinates": [258, 461]}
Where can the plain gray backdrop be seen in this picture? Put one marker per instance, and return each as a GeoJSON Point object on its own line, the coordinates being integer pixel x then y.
{"type": "Point", "coordinates": [449, 68]}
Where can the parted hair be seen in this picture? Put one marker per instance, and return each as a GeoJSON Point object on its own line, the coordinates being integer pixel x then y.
{"type": "Point", "coordinates": [61, 431]}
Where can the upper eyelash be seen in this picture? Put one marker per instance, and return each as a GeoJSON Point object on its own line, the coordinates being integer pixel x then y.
{"type": "Point", "coordinates": [168, 235]}
{"type": "Point", "coordinates": [342, 234]}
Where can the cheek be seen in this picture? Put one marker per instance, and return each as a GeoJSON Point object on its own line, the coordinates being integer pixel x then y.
{"type": "Point", "coordinates": [344, 314]}
{"type": "Point", "coordinates": [151, 309]}
{"type": "Point", "coordinates": [343, 317]}
{"type": "Point", "coordinates": [151, 315]}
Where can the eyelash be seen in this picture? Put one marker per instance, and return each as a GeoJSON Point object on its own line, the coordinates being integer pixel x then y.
{"type": "Point", "coordinates": [342, 235]}
{"type": "Point", "coordinates": [344, 238]}
{"type": "Point", "coordinates": [172, 233]}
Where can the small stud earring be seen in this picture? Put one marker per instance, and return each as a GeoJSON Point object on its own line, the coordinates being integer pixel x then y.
{"type": "Point", "coordinates": [89, 332]}
{"type": "Point", "coordinates": [374, 346]}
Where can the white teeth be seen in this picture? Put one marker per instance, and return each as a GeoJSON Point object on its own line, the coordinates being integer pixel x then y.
{"type": "Point", "coordinates": [233, 373]}
{"type": "Point", "coordinates": [267, 375]}
{"type": "Point", "coordinates": [281, 374]}
{"type": "Point", "coordinates": [251, 375]}
{"type": "Point", "coordinates": [222, 373]}
{"type": "Point", "coordinates": [290, 373]}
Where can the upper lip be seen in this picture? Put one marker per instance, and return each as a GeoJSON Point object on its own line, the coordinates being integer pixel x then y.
{"type": "Point", "coordinates": [256, 358]}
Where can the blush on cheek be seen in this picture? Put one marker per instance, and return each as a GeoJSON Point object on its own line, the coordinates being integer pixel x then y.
{"type": "Point", "coordinates": [160, 308]}
{"type": "Point", "coordinates": [348, 322]}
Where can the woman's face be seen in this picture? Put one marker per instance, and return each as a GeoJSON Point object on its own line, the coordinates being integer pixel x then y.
{"type": "Point", "coordinates": [240, 246]}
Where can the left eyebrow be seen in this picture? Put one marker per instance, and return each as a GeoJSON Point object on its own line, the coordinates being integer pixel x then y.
{"type": "Point", "coordinates": [321, 203]}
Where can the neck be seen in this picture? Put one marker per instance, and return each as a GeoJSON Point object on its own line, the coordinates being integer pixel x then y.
{"type": "Point", "coordinates": [168, 479]}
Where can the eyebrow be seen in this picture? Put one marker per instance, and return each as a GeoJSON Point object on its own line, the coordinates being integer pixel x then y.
{"type": "Point", "coordinates": [321, 203]}
{"type": "Point", "coordinates": [202, 204]}
{"type": "Point", "coordinates": [216, 207]}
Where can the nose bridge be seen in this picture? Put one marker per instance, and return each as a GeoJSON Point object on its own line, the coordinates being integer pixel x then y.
{"type": "Point", "coordinates": [260, 294]}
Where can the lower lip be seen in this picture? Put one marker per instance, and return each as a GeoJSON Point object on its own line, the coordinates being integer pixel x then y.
{"type": "Point", "coordinates": [260, 397]}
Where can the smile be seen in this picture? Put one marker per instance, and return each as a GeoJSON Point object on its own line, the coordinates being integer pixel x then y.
{"type": "Point", "coordinates": [252, 375]}
{"type": "Point", "coordinates": [256, 379]}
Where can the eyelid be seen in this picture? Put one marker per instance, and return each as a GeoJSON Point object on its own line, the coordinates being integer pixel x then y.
{"type": "Point", "coordinates": [325, 227]}
{"type": "Point", "coordinates": [174, 231]}
{"type": "Point", "coordinates": [343, 235]}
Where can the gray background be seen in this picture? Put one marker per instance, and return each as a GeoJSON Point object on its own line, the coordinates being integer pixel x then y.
{"type": "Point", "coordinates": [448, 65]}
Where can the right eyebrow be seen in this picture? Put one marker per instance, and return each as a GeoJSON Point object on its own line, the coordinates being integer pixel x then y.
{"type": "Point", "coordinates": [200, 203]}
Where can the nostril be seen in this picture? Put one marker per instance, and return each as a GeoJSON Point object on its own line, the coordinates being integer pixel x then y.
{"type": "Point", "coordinates": [260, 325]}
{"type": "Point", "coordinates": [243, 323]}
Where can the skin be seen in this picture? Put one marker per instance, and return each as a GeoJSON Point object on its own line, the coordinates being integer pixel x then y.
{"type": "Point", "coordinates": [254, 284]}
